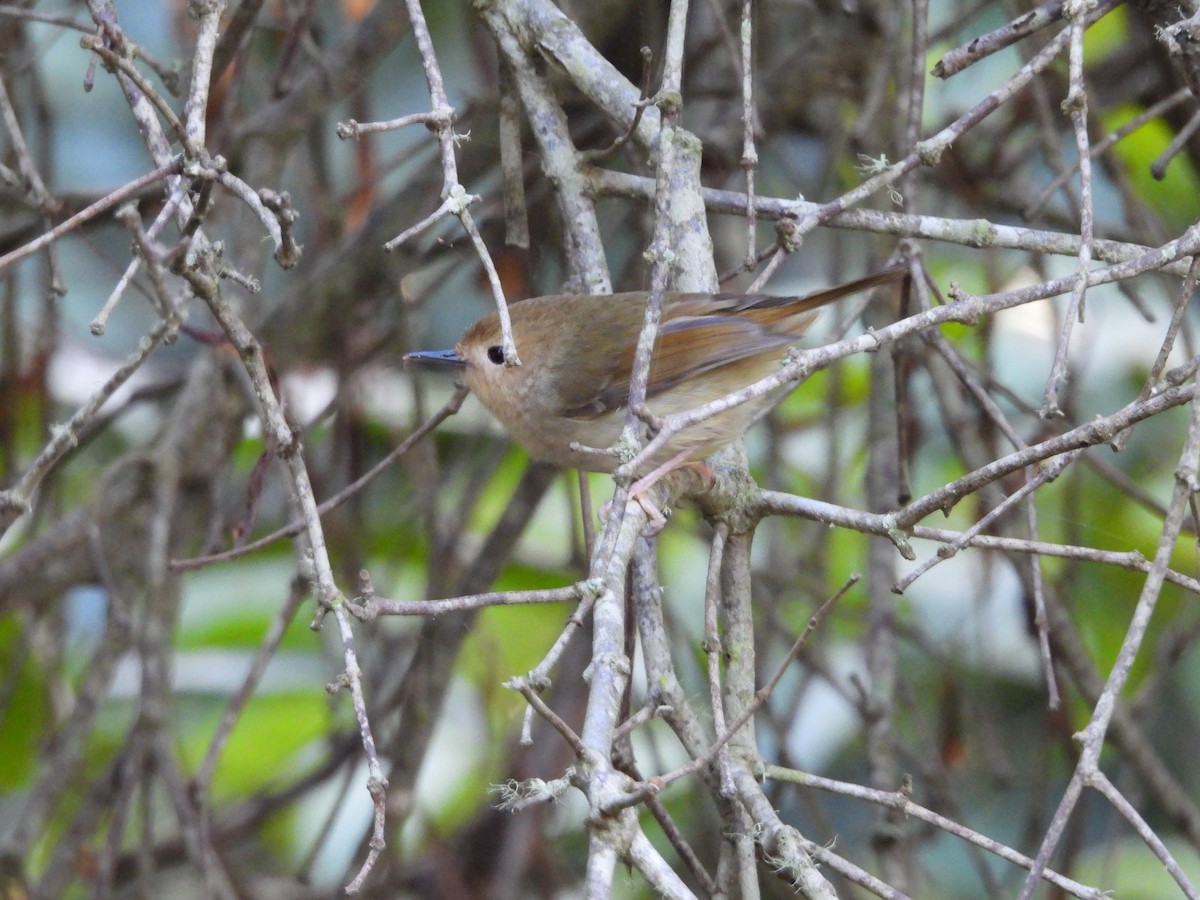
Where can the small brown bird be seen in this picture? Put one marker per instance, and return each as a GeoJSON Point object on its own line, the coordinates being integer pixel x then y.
{"type": "Point", "coordinates": [577, 355]}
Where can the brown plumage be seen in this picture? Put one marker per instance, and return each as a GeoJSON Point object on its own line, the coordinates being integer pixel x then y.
{"type": "Point", "coordinates": [577, 358]}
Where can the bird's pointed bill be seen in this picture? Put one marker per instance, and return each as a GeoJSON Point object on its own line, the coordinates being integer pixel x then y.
{"type": "Point", "coordinates": [437, 357]}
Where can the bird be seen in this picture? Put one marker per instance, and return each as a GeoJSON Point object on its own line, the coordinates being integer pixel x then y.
{"type": "Point", "coordinates": [565, 403]}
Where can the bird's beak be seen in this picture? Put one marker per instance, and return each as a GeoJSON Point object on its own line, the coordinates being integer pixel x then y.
{"type": "Point", "coordinates": [437, 357]}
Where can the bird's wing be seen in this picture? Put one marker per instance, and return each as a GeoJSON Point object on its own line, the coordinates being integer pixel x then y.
{"type": "Point", "coordinates": [687, 345]}
{"type": "Point", "coordinates": [699, 332]}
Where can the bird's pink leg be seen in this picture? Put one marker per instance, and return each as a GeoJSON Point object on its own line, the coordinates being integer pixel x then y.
{"type": "Point", "coordinates": [639, 490]}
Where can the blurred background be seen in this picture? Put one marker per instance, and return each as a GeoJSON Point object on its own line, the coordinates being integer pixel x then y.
{"type": "Point", "coordinates": [95, 779]}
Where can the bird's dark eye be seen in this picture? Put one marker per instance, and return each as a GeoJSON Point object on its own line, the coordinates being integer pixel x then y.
{"type": "Point", "coordinates": [496, 355]}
